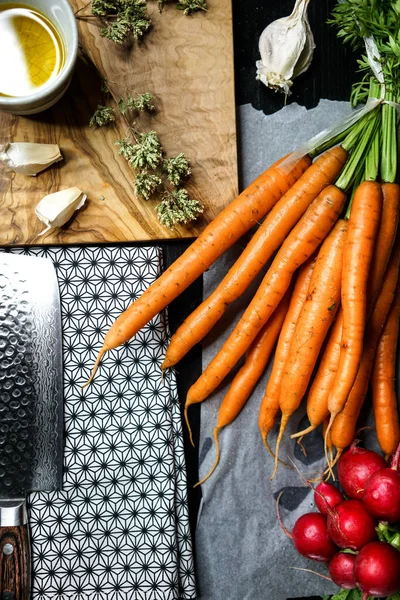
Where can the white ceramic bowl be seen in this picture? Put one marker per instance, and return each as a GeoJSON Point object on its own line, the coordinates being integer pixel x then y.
{"type": "Point", "coordinates": [61, 14]}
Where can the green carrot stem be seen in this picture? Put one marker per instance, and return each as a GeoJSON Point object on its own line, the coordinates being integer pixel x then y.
{"type": "Point", "coordinates": [358, 178]}
{"type": "Point", "coordinates": [389, 141]}
{"type": "Point", "coordinates": [373, 157]}
{"type": "Point", "coordinates": [346, 178]}
{"type": "Point", "coordinates": [348, 137]}
{"type": "Point", "coordinates": [334, 141]}
{"type": "Point", "coordinates": [357, 131]}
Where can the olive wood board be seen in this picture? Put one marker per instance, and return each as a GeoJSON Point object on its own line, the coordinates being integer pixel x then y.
{"type": "Point", "coordinates": [187, 63]}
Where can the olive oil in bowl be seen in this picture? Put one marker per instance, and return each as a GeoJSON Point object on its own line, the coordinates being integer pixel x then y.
{"type": "Point", "coordinates": [31, 51]}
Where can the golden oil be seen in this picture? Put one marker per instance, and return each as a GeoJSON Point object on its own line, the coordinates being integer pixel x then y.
{"type": "Point", "coordinates": [32, 52]}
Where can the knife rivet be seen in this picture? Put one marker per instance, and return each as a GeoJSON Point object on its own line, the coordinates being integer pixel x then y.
{"type": "Point", "coordinates": [8, 549]}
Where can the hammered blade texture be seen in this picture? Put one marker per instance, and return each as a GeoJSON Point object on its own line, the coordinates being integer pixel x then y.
{"type": "Point", "coordinates": [30, 377]}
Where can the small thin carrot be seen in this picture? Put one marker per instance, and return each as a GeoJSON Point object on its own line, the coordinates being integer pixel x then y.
{"type": "Point", "coordinates": [384, 397]}
{"type": "Point", "coordinates": [385, 239]}
{"type": "Point", "coordinates": [300, 244]}
{"type": "Point", "coordinates": [245, 380]}
{"type": "Point", "coordinates": [317, 401]}
{"type": "Point", "coordinates": [269, 407]}
{"type": "Point", "coordinates": [267, 239]}
{"type": "Point", "coordinates": [314, 322]}
{"type": "Point", "coordinates": [343, 429]}
{"type": "Point", "coordinates": [219, 235]}
{"type": "Point", "coordinates": [362, 231]}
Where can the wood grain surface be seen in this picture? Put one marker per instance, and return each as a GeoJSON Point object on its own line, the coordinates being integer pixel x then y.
{"type": "Point", "coordinates": [187, 63]}
{"type": "Point", "coordinates": [15, 571]}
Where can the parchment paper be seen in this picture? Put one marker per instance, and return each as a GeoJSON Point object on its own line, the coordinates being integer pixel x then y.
{"type": "Point", "coordinates": [241, 552]}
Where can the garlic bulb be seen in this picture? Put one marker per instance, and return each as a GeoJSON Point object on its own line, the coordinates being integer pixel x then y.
{"type": "Point", "coordinates": [286, 47]}
{"type": "Point", "coordinates": [29, 158]}
{"type": "Point", "coordinates": [56, 209]}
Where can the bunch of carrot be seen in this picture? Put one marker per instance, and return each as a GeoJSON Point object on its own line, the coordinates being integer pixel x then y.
{"type": "Point", "coordinates": [328, 303]}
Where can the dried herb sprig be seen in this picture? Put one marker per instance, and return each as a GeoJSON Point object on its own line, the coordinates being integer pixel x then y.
{"type": "Point", "coordinates": [191, 6]}
{"type": "Point", "coordinates": [147, 184]}
{"type": "Point", "coordinates": [103, 115]}
{"type": "Point", "coordinates": [176, 169]}
{"type": "Point", "coordinates": [125, 18]}
{"type": "Point", "coordinates": [141, 102]}
{"type": "Point", "coordinates": [154, 171]}
{"type": "Point", "coordinates": [177, 208]}
{"type": "Point", "coordinates": [145, 154]}
{"type": "Point", "coordinates": [146, 157]}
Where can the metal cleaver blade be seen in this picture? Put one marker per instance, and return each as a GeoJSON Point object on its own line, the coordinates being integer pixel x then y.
{"type": "Point", "coordinates": [31, 406]}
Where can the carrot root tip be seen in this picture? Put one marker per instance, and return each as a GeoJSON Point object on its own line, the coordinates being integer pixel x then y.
{"type": "Point", "coordinates": [217, 455]}
{"type": "Point", "coordinates": [278, 443]}
{"type": "Point", "coordinates": [300, 443]}
{"type": "Point", "coordinates": [185, 412]}
{"type": "Point", "coordinates": [264, 436]}
{"type": "Point", "coordinates": [328, 454]}
{"type": "Point", "coordinates": [301, 434]}
{"type": "Point", "coordinates": [95, 367]}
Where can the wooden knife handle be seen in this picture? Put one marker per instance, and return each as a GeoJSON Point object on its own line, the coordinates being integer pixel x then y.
{"type": "Point", "coordinates": [15, 572]}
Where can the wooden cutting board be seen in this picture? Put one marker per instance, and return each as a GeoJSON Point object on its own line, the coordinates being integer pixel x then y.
{"type": "Point", "coordinates": [187, 63]}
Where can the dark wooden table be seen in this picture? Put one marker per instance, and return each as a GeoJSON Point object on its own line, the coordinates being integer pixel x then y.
{"type": "Point", "coordinates": [330, 76]}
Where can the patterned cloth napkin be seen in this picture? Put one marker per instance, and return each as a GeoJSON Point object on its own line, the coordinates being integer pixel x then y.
{"type": "Point", "coordinates": [119, 529]}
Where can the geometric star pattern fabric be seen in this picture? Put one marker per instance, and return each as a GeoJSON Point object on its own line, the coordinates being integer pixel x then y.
{"type": "Point", "coordinates": [119, 529]}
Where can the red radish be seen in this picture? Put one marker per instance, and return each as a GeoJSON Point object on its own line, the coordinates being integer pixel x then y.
{"type": "Point", "coordinates": [355, 467]}
{"type": "Point", "coordinates": [382, 493]}
{"type": "Point", "coordinates": [327, 496]}
{"type": "Point", "coordinates": [310, 537]}
{"type": "Point", "coordinates": [377, 570]}
{"type": "Point", "coordinates": [350, 525]}
{"type": "Point", "coordinates": [341, 570]}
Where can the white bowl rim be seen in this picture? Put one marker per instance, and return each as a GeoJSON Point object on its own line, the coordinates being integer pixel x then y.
{"type": "Point", "coordinates": [60, 81]}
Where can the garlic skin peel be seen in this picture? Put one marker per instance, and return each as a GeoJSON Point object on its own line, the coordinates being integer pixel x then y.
{"type": "Point", "coordinates": [286, 48]}
{"type": "Point", "coordinates": [54, 210]}
{"type": "Point", "coordinates": [29, 158]}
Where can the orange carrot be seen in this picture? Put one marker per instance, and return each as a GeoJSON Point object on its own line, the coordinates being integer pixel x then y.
{"type": "Point", "coordinates": [385, 239]}
{"type": "Point", "coordinates": [313, 324]}
{"type": "Point", "coordinates": [305, 237]}
{"type": "Point", "coordinates": [246, 378]}
{"type": "Point", "coordinates": [269, 407]}
{"type": "Point", "coordinates": [384, 397]}
{"type": "Point", "coordinates": [267, 239]}
{"type": "Point", "coordinates": [343, 430]}
{"type": "Point", "coordinates": [362, 231]}
{"type": "Point", "coordinates": [317, 401]}
{"type": "Point", "coordinates": [229, 226]}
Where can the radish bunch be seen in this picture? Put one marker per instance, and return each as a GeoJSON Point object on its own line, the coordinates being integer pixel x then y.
{"type": "Point", "coordinates": [357, 530]}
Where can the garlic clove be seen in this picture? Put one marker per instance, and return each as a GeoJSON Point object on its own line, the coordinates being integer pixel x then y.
{"type": "Point", "coordinates": [54, 210]}
{"type": "Point", "coordinates": [286, 47]}
{"type": "Point", "coordinates": [29, 158]}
